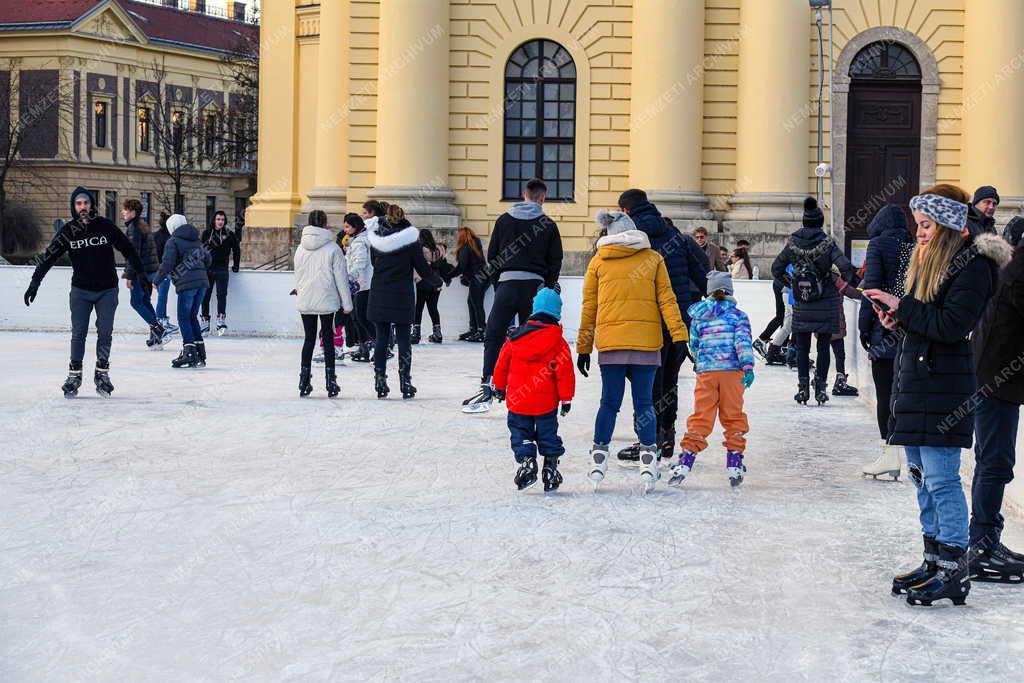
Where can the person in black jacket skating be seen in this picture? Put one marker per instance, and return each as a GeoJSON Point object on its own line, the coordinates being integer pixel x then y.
{"type": "Point", "coordinates": [186, 261]}
{"type": "Point", "coordinates": [90, 241]}
{"type": "Point", "coordinates": [885, 268]}
{"type": "Point", "coordinates": [999, 361]}
{"type": "Point", "coordinates": [396, 253]}
{"type": "Point", "coordinates": [952, 276]}
{"type": "Point", "coordinates": [222, 244]}
{"type": "Point", "coordinates": [160, 237]}
{"type": "Point", "coordinates": [138, 234]}
{"type": "Point", "coordinates": [471, 269]}
{"type": "Point", "coordinates": [524, 254]}
{"type": "Point", "coordinates": [816, 310]}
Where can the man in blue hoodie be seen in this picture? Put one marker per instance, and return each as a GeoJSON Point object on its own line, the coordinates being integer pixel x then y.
{"type": "Point", "coordinates": [687, 269]}
{"type": "Point", "coordinates": [90, 241]}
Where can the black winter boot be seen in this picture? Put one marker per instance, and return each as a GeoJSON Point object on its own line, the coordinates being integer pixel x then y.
{"type": "Point", "coordinates": [380, 383]}
{"type": "Point", "coordinates": [74, 380]}
{"type": "Point", "coordinates": [332, 383]}
{"type": "Point", "coordinates": [927, 570]}
{"type": "Point", "coordinates": [951, 581]}
{"type": "Point", "coordinates": [305, 385]}
{"type": "Point", "coordinates": [803, 390]}
{"type": "Point", "coordinates": [414, 338]}
{"type": "Point", "coordinates": [435, 336]}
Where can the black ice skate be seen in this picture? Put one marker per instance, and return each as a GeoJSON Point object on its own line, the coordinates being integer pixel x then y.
{"type": "Point", "coordinates": [803, 391]}
{"type": "Point", "coordinates": [629, 456]}
{"type": "Point", "coordinates": [903, 582]}
{"type": "Point", "coordinates": [414, 337]}
{"type": "Point", "coordinates": [820, 391]}
{"type": "Point", "coordinates": [550, 475]}
{"type": "Point", "coordinates": [952, 580]}
{"type": "Point", "coordinates": [996, 565]}
{"type": "Point", "coordinates": [332, 384]}
{"type": "Point", "coordinates": [481, 401]}
{"type": "Point", "coordinates": [775, 356]}
{"type": "Point", "coordinates": [841, 388]}
{"type": "Point", "coordinates": [305, 386]}
{"type": "Point", "coordinates": [362, 355]}
{"type": "Point", "coordinates": [380, 383]}
{"type": "Point", "coordinates": [200, 354]}
{"type": "Point", "coordinates": [526, 475]}
{"type": "Point", "coordinates": [102, 379]}
{"type": "Point", "coordinates": [405, 377]}
{"type": "Point", "coordinates": [156, 337]}
{"type": "Point", "coordinates": [759, 349]}
{"type": "Point", "coordinates": [74, 380]}
{"type": "Point", "coordinates": [467, 334]}
{"type": "Point", "coordinates": [187, 358]}
{"type": "Point", "coordinates": [666, 446]}
{"type": "Point", "coordinates": [435, 336]}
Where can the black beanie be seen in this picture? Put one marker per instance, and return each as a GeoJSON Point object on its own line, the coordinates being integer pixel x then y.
{"type": "Point", "coordinates": [813, 217]}
{"type": "Point", "coordinates": [985, 192]}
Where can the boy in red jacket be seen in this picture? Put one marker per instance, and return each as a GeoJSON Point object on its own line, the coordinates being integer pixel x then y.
{"type": "Point", "coordinates": [535, 373]}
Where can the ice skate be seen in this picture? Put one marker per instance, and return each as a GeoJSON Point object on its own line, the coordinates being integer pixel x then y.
{"type": "Point", "coordinates": [760, 350]}
{"type": "Point", "coordinates": [481, 401]}
{"type": "Point", "coordinates": [414, 337]}
{"type": "Point", "coordinates": [550, 475]}
{"type": "Point", "coordinates": [526, 475]}
{"type": "Point", "coordinates": [996, 565]}
{"type": "Point", "coordinates": [775, 356]}
{"type": "Point", "coordinates": [319, 357]}
{"type": "Point", "coordinates": [666, 447]}
{"type": "Point", "coordinates": [187, 358]}
{"type": "Point", "coordinates": [102, 379]}
{"type": "Point", "coordinates": [629, 456]}
{"type": "Point", "coordinates": [649, 472]}
{"type": "Point", "coordinates": [902, 582]}
{"type": "Point", "coordinates": [170, 329]}
{"type": "Point", "coordinates": [820, 391]}
{"type": "Point", "coordinates": [841, 388]}
{"type": "Point", "coordinates": [476, 337]}
{"type": "Point", "coordinates": [405, 384]}
{"type": "Point", "coordinates": [204, 324]}
{"type": "Point", "coordinates": [599, 463]}
{"type": "Point", "coordinates": [435, 336]}
{"type": "Point", "coordinates": [952, 580]}
{"type": "Point", "coordinates": [887, 464]}
{"type": "Point", "coordinates": [331, 384]}
{"type": "Point", "coordinates": [305, 386]}
{"type": "Point", "coordinates": [467, 334]}
{"type": "Point", "coordinates": [74, 380]}
{"type": "Point", "coordinates": [222, 325]}
{"type": "Point", "coordinates": [735, 467]}
{"type": "Point", "coordinates": [380, 383]}
{"type": "Point", "coordinates": [362, 354]}
{"type": "Point", "coordinates": [803, 391]}
{"type": "Point", "coordinates": [200, 354]}
{"type": "Point", "coordinates": [157, 335]}
{"type": "Point", "coordinates": [683, 468]}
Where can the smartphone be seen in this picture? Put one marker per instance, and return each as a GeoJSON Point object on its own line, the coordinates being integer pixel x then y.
{"type": "Point", "coordinates": [874, 302]}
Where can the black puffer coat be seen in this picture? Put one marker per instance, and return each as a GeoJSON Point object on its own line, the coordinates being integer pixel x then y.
{"type": "Point", "coordinates": [140, 237]}
{"type": "Point", "coordinates": [885, 268]}
{"type": "Point", "coordinates": [998, 341]}
{"type": "Point", "coordinates": [686, 263]}
{"type": "Point", "coordinates": [812, 244]}
{"type": "Point", "coordinates": [395, 252]}
{"type": "Point", "coordinates": [934, 377]}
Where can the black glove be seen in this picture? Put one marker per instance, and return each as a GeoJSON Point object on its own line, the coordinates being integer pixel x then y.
{"type": "Point", "coordinates": [500, 395]}
{"type": "Point", "coordinates": [583, 363]}
{"type": "Point", "coordinates": [30, 293]}
{"type": "Point", "coordinates": [865, 342]}
{"type": "Point", "coordinates": [682, 350]}
{"type": "Point", "coordinates": [144, 283]}
{"type": "Point", "coordinates": [234, 269]}
{"type": "Point", "coordinates": [566, 407]}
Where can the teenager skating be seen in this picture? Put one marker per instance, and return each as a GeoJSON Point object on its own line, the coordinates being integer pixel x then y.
{"type": "Point", "coordinates": [223, 245]}
{"type": "Point", "coordinates": [471, 270]}
{"type": "Point", "coordinates": [186, 261]}
{"type": "Point", "coordinates": [90, 241]}
{"type": "Point", "coordinates": [534, 373]}
{"type": "Point", "coordinates": [142, 241]}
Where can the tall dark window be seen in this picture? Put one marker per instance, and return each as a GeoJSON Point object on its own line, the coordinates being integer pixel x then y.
{"type": "Point", "coordinates": [540, 119]}
{"type": "Point", "coordinates": [147, 205]}
{"type": "Point", "coordinates": [211, 208]}
{"type": "Point", "coordinates": [111, 208]}
{"type": "Point", "coordinates": [211, 124]}
{"type": "Point", "coordinates": [177, 130]}
{"type": "Point", "coordinates": [144, 117]}
{"type": "Point", "coordinates": [100, 123]}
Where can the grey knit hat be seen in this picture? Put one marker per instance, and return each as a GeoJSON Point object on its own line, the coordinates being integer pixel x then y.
{"type": "Point", "coordinates": [719, 280]}
{"type": "Point", "coordinates": [614, 222]}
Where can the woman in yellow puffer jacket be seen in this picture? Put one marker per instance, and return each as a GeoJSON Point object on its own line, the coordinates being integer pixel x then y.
{"type": "Point", "coordinates": [626, 295]}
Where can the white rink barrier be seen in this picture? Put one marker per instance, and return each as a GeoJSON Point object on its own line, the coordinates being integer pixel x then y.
{"type": "Point", "coordinates": [259, 305]}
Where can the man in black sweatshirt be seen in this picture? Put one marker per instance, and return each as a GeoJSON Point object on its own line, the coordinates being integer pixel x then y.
{"type": "Point", "coordinates": [222, 243]}
{"type": "Point", "coordinates": [524, 254]}
{"type": "Point", "coordinates": [90, 241]}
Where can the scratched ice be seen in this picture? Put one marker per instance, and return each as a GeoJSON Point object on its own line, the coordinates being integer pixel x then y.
{"type": "Point", "coordinates": [210, 525]}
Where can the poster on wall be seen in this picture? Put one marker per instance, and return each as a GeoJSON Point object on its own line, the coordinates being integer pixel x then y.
{"type": "Point", "coordinates": [858, 251]}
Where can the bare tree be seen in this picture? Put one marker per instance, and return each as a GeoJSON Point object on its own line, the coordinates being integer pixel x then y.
{"type": "Point", "coordinates": [236, 146]}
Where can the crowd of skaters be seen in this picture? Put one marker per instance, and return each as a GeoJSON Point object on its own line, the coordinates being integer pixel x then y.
{"type": "Point", "coordinates": [942, 312]}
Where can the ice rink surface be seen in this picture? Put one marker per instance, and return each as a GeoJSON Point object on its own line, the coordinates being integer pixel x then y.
{"type": "Point", "coordinates": [210, 525]}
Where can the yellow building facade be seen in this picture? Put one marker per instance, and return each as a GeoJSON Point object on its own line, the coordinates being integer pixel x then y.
{"type": "Point", "coordinates": [709, 105]}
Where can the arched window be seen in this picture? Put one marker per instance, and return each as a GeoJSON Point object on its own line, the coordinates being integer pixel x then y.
{"type": "Point", "coordinates": [540, 119]}
{"type": "Point", "coordinates": [885, 59]}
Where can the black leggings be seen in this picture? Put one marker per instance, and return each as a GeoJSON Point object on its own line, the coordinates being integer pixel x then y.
{"type": "Point", "coordinates": [218, 279]}
{"type": "Point", "coordinates": [882, 374]}
{"type": "Point", "coordinates": [839, 351]}
{"type": "Point", "coordinates": [309, 322]}
{"type": "Point", "coordinates": [380, 350]}
{"type": "Point", "coordinates": [780, 313]}
{"type": "Point", "coordinates": [428, 298]}
{"type": "Point", "coordinates": [361, 302]}
{"type": "Point", "coordinates": [822, 356]}
{"type": "Point", "coordinates": [475, 301]}
{"type": "Point", "coordinates": [511, 299]}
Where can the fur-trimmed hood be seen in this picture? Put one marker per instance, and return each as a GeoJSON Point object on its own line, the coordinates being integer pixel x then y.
{"type": "Point", "coordinates": [402, 236]}
{"type": "Point", "coordinates": [993, 247]}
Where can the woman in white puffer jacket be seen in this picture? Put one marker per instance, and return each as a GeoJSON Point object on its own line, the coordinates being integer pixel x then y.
{"type": "Point", "coordinates": [321, 283]}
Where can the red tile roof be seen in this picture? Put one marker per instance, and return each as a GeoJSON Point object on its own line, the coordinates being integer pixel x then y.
{"type": "Point", "coordinates": [160, 24]}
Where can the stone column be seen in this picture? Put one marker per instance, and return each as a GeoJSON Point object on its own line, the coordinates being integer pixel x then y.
{"type": "Point", "coordinates": [993, 107]}
{"type": "Point", "coordinates": [332, 112]}
{"type": "Point", "coordinates": [412, 112]}
{"type": "Point", "coordinates": [666, 106]}
{"type": "Point", "coordinates": [773, 117]}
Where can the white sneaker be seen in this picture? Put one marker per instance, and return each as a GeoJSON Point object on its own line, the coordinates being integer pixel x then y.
{"type": "Point", "coordinates": [650, 473]}
{"type": "Point", "coordinates": [888, 463]}
{"type": "Point", "coordinates": [599, 460]}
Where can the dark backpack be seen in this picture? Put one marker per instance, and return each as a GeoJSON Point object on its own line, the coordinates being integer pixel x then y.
{"type": "Point", "coordinates": [808, 282]}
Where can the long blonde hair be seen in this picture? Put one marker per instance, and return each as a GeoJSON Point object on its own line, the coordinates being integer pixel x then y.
{"type": "Point", "coordinates": [929, 267]}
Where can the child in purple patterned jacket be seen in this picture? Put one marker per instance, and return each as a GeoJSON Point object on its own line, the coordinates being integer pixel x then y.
{"type": "Point", "coordinates": [723, 358]}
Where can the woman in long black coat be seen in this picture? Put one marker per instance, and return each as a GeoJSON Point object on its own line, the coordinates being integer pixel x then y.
{"type": "Point", "coordinates": [395, 252]}
{"type": "Point", "coordinates": [952, 275]}
{"type": "Point", "coordinates": [813, 314]}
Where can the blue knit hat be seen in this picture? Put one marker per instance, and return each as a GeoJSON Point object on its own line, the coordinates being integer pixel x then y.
{"type": "Point", "coordinates": [548, 302]}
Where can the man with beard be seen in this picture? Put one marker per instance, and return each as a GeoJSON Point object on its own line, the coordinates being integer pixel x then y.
{"type": "Point", "coordinates": [90, 241]}
{"type": "Point", "coordinates": [981, 214]}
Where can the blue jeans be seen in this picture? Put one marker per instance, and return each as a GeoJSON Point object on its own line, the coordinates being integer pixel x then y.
{"type": "Point", "coordinates": [189, 303]}
{"type": "Point", "coordinates": [140, 299]}
{"type": "Point", "coordinates": [532, 433]}
{"type": "Point", "coordinates": [613, 386]}
{"type": "Point", "coordinates": [995, 453]}
{"type": "Point", "coordinates": [161, 297]}
{"type": "Point", "coordinates": [935, 470]}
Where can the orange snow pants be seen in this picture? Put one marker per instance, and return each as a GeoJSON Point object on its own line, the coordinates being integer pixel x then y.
{"type": "Point", "coordinates": [718, 393]}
